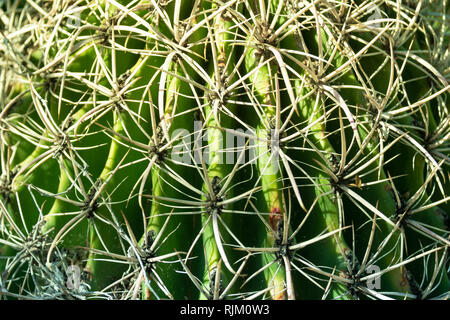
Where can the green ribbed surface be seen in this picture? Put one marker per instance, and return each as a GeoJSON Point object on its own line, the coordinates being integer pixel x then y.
{"type": "Point", "coordinates": [270, 149]}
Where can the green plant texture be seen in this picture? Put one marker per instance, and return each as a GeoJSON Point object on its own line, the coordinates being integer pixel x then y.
{"type": "Point", "coordinates": [224, 149]}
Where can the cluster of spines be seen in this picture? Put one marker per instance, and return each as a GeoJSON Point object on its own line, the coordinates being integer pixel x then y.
{"type": "Point", "coordinates": [332, 97]}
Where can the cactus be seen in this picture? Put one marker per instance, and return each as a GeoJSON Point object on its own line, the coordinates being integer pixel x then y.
{"type": "Point", "coordinates": [214, 149]}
